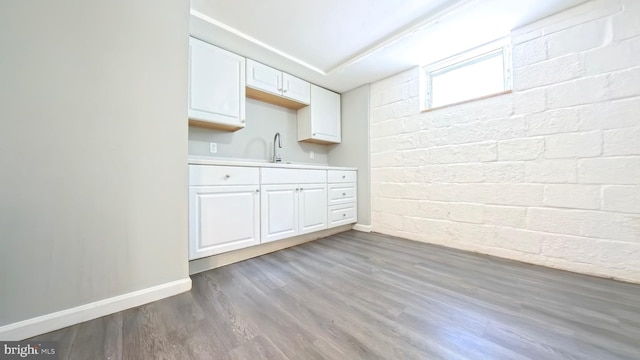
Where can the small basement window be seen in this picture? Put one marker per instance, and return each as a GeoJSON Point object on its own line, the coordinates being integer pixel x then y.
{"type": "Point", "coordinates": [474, 74]}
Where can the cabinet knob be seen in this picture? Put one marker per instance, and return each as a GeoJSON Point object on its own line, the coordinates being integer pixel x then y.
{"type": "Point", "coordinates": [227, 176]}
{"type": "Point", "coordinates": [243, 121]}
{"type": "Point", "coordinates": [344, 176]}
{"type": "Point", "coordinates": [257, 190]}
{"type": "Point", "coordinates": [301, 189]}
{"type": "Point", "coordinates": [314, 134]}
{"type": "Point", "coordinates": [344, 194]}
{"type": "Point", "coordinates": [343, 215]}
{"type": "Point", "coordinates": [297, 189]}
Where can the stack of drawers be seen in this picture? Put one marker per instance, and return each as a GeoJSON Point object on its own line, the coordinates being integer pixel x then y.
{"type": "Point", "coordinates": [342, 198]}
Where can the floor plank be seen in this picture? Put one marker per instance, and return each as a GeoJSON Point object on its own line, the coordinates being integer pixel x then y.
{"type": "Point", "coordinates": [370, 296]}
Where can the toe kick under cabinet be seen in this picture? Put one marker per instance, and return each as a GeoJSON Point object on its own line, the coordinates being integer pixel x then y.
{"type": "Point", "coordinates": [234, 207]}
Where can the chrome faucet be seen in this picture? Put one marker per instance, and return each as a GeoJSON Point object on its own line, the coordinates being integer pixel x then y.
{"type": "Point", "coordinates": [276, 156]}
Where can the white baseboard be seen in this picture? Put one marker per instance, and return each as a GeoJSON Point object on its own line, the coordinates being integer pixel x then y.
{"type": "Point", "coordinates": [58, 320]}
{"type": "Point", "coordinates": [363, 228]}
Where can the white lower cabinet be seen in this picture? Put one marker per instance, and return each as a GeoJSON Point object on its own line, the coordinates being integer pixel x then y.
{"type": "Point", "coordinates": [224, 209]}
{"type": "Point", "coordinates": [279, 212]}
{"type": "Point", "coordinates": [223, 218]}
{"type": "Point", "coordinates": [293, 202]}
{"type": "Point", "coordinates": [234, 207]}
{"type": "Point", "coordinates": [343, 193]}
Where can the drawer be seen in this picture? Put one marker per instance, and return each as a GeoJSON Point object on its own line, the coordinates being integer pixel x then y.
{"type": "Point", "coordinates": [342, 193]}
{"type": "Point", "coordinates": [292, 176]}
{"type": "Point", "coordinates": [342, 176]}
{"type": "Point", "coordinates": [342, 215]}
{"type": "Point", "coordinates": [200, 175]}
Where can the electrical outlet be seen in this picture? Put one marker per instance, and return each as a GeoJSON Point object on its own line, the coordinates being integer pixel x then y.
{"type": "Point", "coordinates": [213, 148]}
{"type": "Point", "coordinates": [312, 155]}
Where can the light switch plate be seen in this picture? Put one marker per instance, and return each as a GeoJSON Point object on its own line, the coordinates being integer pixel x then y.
{"type": "Point", "coordinates": [312, 155]}
{"type": "Point", "coordinates": [213, 148]}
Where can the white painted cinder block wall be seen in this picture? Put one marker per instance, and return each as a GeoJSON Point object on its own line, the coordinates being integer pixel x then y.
{"type": "Point", "coordinates": [549, 174]}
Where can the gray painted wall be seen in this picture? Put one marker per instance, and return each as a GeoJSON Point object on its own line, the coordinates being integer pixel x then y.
{"type": "Point", "coordinates": [93, 149]}
{"type": "Point", "coordinates": [354, 149]}
{"type": "Point", "coordinates": [255, 141]}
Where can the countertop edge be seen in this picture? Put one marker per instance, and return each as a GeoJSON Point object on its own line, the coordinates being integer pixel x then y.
{"type": "Point", "coordinates": [257, 163]}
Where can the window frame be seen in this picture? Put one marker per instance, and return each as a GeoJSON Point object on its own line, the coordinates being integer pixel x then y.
{"type": "Point", "coordinates": [467, 58]}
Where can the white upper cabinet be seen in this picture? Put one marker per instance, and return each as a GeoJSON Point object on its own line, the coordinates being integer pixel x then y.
{"type": "Point", "coordinates": [273, 81]}
{"type": "Point", "coordinates": [216, 87]}
{"type": "Point", "coordinates": [320, 121]}
{"type": "Point", "coordinates": [296, 89]}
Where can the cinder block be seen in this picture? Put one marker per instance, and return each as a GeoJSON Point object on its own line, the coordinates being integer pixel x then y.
{"type": "Point", "coordinates": [548, 72]}
{"type": "Point", "coordinates": [609, 225]}
{"type": "Point", "coordinates": [470, 213]}
{"type": "Point", "coordinates": [497, 107]}
{"type": "Point", "coordinates": [552, 122]}
{"type": "Point", "coordinates": [551, 171]}
{"type": "Point", "coordinates": [572, 196]}
{"type": "Point", "coordinates": [609, 170]}
{"type": "Point", "coordinates": [503, 172]}
{"type": "Point", "coordinates": [434, 137]}
{"type": "Point", "coordinates": [625, 83]}
{"type": "Point", "coordinates": [529, 52]}
{"type": "Point", "coordinates": [520, 149]}
{"type": "Point", "coordinates": [624, 141]}
{"type": "Point", "coordinates": [616, 56]}
{"type": "Point", "coordinates": [585, 36]}
{"type": "Point", "coordinates": [621, 198]}
{"type": "Point", "coordinates": [507, 216]}
{"type": "Point", "coordinates": [601, 252]}
{"type": "Point", "coordinates": [384, 222]}
{"type": "Point", "coordinates": [434, 210]}
{"type": "Point", "coordinates": [588, 144]}
{"type": "Point", "coordinates": [610, 115]}
{"type": "Point", "coordinates": [558, 221]}
{"type": "Point", "coordinates": [596, 224]}
{"type": "Point", "coordinates": [518, 240]}
{"type": "Point", "coordinates": [453, 173]}
{"type": "Point", "coordinates": [379, 91]}
{"type": "Point", "coordinates": [578, 92]}
{"type": "Point", "coordinates": [627, 23]}
{"type": "Point", "coordinates": [465, 233]}
{"type": "Point", "coordinates": [481, 131]}
{"type": "Point", "coordinates": [530, 101]}
{"type": "Point", "coordinates": [514, 194]}
{"type": "Point", "coordinates": [463, 153]}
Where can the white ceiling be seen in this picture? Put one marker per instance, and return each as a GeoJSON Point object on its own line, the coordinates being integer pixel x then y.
{"type": "Point", "coordinates": [342, 44]}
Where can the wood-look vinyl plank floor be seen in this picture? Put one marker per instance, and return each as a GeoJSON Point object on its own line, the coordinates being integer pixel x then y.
{"type": "Point", "coordinates": [370, 296]}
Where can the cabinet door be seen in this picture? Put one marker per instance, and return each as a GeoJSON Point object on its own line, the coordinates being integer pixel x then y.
{"type": "Point", "coordinates": [279, 212]}
{"type": "Point", "coordinates": [296, 89]}
{"type": "Point", "coordinates": [320, 121]}
{"type": "Point", "coordinates": [222, 218]}
{"type": "Point", "coordinates": [325, 117]}
{"type": "Point", "coordinates": [263, 77]}
{"type": "Point", "coordinates": [312, 200]}
{"type": "Point", "coordinates": [216, 85]}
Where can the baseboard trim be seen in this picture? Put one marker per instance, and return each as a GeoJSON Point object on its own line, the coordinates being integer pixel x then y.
{"type": "Point", "coordinates": [60, 319]}
{"type": "Point", "coordinates": [363, 228]}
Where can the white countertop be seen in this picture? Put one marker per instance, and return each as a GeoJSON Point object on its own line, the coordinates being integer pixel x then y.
{"type": "Point", "coordinates": [204, 160]}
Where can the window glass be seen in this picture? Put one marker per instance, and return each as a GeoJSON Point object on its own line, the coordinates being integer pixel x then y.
{"type": "Point", "coordinates": [467, 79]}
